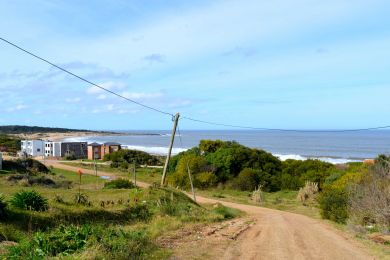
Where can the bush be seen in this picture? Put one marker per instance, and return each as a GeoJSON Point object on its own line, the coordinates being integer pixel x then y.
{"type": "Point", "coordinates": [248, 179]}
{"type": "Point", "coordinates": [29, 200]}
{"type": "Point", "coordinates": [118, 244]}
{"type": "Point", "coordinates": [119, 184]}
{"type": "Point", "coordinates": [227, 213]}
{"type": "Point", "coordinates": [308, 192]}
{"type": "Point", "coordinates": [25, 166]}
{"type": "Point", "coordinates": [70, 157]}
{"type": "Point", "coordinates": [3, 208]}
{"type": "Point", "coordinates": [369, 200]}
{"type": "Point", "coordinates": [334, 205]}
{"type": "Point", "coordinates": [131, 156]}
{"type": "Point", "coordinates": [205, 180]}
{"type": "Point", "coordinates": [62, 241]}
{"type": "Point", "coordinates": [82, 199]}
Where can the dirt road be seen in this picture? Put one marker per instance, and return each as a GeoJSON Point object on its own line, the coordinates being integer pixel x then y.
{"type": "Point", "coordinates": [279, 234]}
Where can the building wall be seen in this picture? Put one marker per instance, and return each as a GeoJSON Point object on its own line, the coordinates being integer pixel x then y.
{"type": "Point", "coordinates": [94, 152]}
{"type": "Point", "coordinates": [33, 147]}
{"type": "Point", "coordinates": [79, 149]}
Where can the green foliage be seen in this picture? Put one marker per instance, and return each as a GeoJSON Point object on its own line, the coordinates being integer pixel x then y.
{"type": "Point", "coordinates": [22, 129]}
{"type": "Point", "coordinates": [333, 204]}
{"type": "Point", "coordinates": [195, 163]}
{"type": "Point", "coordinates": [3, 208]}
{"type": "Point", "coordinates": [248, 180]}
{"type": "Point", "coordinates": [230, 159]}
{"type": "Point", "coordinates": [139, 212]}
{"type": "Point", "coordinates": [205, 180]}
{"type": "Point", "coordinates": [119, 184]}
{"type": "Point", "coordinates": [227, 213]}
{"type": "Point", "coordinates": [25, 166]}
{"type": "Point", "coordinates": [82, 199]}
{"type": "Point", "coordinates": [296, 173]}
{"type": "Point", "coordinates": [210, 146]}
{"type": "Point", "coordinates": [118, 244]}
{"type": "Point", "coordinates": [131, 156]}
{"type": "Point", "coordinates": [9, 144]}
{"type": "Point", "coordinates": [175, 159]}
{"type": "Point", "coordinates": [29, 200]}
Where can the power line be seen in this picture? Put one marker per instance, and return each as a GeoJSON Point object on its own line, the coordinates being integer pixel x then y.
{"type": "Point", "coordinates": [85, 80]}
{"type": "Point", "coordinates": [185, 117]}
{"type": "Point", "coordinates": [280, 129]}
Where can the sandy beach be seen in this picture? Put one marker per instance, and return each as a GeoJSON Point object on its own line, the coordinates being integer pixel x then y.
{"type": "Point", "coordinates": [60, 136]}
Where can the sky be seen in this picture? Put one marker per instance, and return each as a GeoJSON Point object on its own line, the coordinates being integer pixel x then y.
{"type": "Point", "coordinates": [299, 64]}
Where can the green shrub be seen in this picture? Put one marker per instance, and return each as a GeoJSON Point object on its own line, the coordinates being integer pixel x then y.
{"type": "Point", "coordinates": [119, 184]}
{"type": "Point", "coordinates": [205, 179]}
{"type": "Point", "coordinates": [248, 179]}
{"type": "Point", "coordinates": [225, 212]}
{"type": "Point", "coordinates": [82, 199]}
{"type": "Point", "coordinates": [10, 233]}
{"type": "Point", "coordinates": [140, 212]}
{"type": "Point", "coordinates": [29, 200]}
{"type": "Point", "coordinates": [59, 242]}
{"type": "Point", "coordinates": [119, 244]}
{"type": "Point", "coordinates": [3, 208]}
{"type": "Point", "coordinates": [334, 205]}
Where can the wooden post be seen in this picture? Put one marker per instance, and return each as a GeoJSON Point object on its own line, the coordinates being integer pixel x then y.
{"type": "Point", "coordinates": [170, 149]}
{"type": "Point", "coordinates": [192, 185]}
{"type": "Point", "coordinates": [135, 174]}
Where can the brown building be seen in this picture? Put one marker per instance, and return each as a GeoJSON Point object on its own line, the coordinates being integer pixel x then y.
{"type": "Point", "coordinates": [97, 151]}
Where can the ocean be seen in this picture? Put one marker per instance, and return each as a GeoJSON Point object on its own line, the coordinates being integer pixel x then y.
{"type": "Point", "coordinates": [333, 147]}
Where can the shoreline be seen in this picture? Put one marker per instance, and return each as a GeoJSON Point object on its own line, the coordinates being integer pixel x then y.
{"type": "Point", "coordinates": [58, 136]}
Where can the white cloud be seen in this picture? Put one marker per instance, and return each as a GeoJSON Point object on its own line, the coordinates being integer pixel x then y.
{"type": "Point", "coordinates": [102, 96]}
{"type": "Point", "coordinates": [73, 100]}
{"type": "Point", "coordinates": [141, 95]}
{"type": "Point", "coordinates": [17, 108]}
{"type": "Point", "coordinates": [110, 107]}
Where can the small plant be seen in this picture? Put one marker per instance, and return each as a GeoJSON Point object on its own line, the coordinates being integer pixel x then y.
{"type": "Point", "coordinates": [82, 199]}
{"type": "Point", "coordinates": [62, 241]}
{"type": "Point", "coordinates": [257, 195]}
{"type": "Point", "coordinates": [29, 200]}
{"type": "Point", "coordinates": [225, 212]}
{"type": "Point", "coordinates": [308, 191]}
{"type": "Point", "coordinates": [59, 199]}
{"type": "Point", "coordinates": [3, 208]}
{"type": "Point", "coordinates": [119, 184]}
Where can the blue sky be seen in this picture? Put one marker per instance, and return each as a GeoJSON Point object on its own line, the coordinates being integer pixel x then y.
{"type": "Point", "coordinates": [278, 64]}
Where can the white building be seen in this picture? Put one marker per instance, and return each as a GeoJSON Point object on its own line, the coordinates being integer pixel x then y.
{"type": "Point", "coordinates": [33, 147]}
{"type": "Point", "coordinates": [52, 149]}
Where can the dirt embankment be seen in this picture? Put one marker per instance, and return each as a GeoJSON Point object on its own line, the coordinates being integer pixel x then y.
{"type": "Point", "coordinates": [274, 234]}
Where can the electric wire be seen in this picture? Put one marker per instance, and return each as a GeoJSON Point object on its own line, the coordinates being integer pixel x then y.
{"type": "Point", "coordinates": [85, 80]}
{"type": "Point", "coordinates": [183, 117]}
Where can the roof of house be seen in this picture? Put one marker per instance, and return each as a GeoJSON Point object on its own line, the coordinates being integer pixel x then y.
{"type": "Point", "coordinates": [111, 143]}
{"type": "Point", "coordinates": [94, 144]}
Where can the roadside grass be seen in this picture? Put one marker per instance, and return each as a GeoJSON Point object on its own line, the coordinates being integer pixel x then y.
{"type": "Point", "coordinates": [147, 174]}
{"type": "Point", "coordinates": [117, 223]}
{"type": "Point", "coordinates": [285, 200]}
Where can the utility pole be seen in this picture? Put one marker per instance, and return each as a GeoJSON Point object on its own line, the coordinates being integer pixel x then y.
{"type": "Point", "coordinates": [134, 173]}
{"type": "Point", "coordinates": [192, 185]}
{"type": "Point", "coordinates": [176, 119]}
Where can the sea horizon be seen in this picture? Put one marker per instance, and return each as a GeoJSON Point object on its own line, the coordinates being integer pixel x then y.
{"type": "Point", "coordinates": [333, 147]}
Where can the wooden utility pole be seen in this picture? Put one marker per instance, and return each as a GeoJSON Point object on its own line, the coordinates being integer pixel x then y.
{"type": "Point", "coordinates": [176, 119]}
{"type": "Point", "coordinates": [135, 174]}
{"type": "Point", "coordinates": [192, 185]}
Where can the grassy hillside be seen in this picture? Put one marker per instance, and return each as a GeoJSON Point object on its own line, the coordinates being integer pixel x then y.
{"type": "Point", "coordinates": [22, 129]}
{"type": "Point", "coordinates": [91, 220]}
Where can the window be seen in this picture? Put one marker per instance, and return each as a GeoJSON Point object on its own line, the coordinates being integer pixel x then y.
{"type": "Point", "coordinates": [38, 149]}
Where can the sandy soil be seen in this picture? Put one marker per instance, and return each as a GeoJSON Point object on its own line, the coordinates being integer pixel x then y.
{"type": "Point", "coordinates": [60, 136]}
{"type": "Point", "coordinates": [275, 235]}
